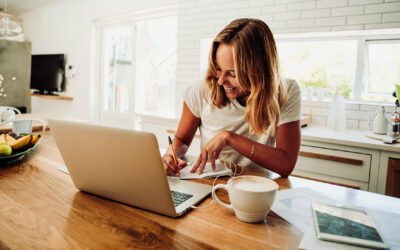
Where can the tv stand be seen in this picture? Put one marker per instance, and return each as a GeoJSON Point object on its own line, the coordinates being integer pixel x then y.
{"type": "Point", "coordinates": [54, 97]}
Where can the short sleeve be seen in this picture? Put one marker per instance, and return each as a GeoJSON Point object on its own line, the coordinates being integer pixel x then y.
{"type": "Point", "coordinates": [291, 110]}
{"type": "Point", "coordinates": [194, 99]}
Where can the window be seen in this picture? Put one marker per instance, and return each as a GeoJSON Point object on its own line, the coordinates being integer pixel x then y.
{"type": "Point", "coordinates": [137, 56]}
{"type": "Point", "coordinates": [117, 69]}
{"type": "Point", "coordinates": [156, 67]}
{"type": "Point", "coordinates": [321, 64]}
{"type": "Point", "coordinates": [383, 69]}
{"type": "Point", "coordinates": [362, 67]}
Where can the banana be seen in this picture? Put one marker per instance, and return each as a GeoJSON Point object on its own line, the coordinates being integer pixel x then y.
{"type": "Point", "coordinates": [9, 138]}
{"type": "Point", "coordinates": [35, 139]}
{"type": "Point", "coordinates": [21, 142]}
{"type": "Point", "coordinates": [2, 138]}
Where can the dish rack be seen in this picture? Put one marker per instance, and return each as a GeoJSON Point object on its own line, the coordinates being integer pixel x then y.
{"type": "Point", "coordinates": [18, 155]}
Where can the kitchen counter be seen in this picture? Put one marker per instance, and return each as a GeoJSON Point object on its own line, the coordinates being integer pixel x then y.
{"type": "Point", "coordinates": [354, 138]}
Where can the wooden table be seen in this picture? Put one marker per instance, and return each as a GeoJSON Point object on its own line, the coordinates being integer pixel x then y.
{"type": "Point", "coordinates": [40, 208]}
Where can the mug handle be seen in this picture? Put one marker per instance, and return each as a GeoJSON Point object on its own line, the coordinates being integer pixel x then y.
{"type": "Point", "coordinates": [215, 197]}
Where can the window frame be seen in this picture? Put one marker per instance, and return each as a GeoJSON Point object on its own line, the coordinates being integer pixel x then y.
{"type": "Point", "coordinates": [98, 114]}
{"type": "Point", "coordinates": [363, 38]}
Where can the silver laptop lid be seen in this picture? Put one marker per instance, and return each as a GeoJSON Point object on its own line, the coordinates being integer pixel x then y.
{"type": "Point", "coordinates": [119, 164]}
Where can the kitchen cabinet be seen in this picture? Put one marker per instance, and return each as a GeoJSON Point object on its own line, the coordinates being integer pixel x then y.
{"type": "Point", "coordinates": [393, 178]}
{"type": "Point", "coordinates": [353, 141]}
{"type": "Point", "coordinates": [338, 164]}
{"type": "Point", "coordinates": [389, 174]}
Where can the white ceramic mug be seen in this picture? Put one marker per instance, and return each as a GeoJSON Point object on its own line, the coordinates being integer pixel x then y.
{"type": "Point", "coordinates": [251, 196]}
{"type": "Point", "coordinates": [22, 126]}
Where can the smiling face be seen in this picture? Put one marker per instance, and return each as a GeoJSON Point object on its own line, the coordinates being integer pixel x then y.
{"type": "Point", "coordinates": [226, 73]}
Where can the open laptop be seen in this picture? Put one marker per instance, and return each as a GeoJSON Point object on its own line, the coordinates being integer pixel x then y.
{"type": "Point", "coordinates": [123, 165]}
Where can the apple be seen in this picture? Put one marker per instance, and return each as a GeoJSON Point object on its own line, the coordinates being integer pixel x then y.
{"type": "Point", "coordinates": [5, 149]}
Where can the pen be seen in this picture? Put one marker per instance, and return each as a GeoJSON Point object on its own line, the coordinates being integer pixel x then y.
{"type": "Point", "coordinates": [173, 154]}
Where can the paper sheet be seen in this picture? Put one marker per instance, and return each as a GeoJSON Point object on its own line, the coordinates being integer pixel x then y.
{"type": "Point", "coordinates": [294, 205]}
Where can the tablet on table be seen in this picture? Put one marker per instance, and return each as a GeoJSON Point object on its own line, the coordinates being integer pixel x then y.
{"type": "Point", "coordinates": [346, 224]}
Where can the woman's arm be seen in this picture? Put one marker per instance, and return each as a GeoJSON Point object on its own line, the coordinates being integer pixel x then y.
{"type": "Point", "coordinates": [183, 138]}
{"type": "Point", "coordinates": [281, 159]}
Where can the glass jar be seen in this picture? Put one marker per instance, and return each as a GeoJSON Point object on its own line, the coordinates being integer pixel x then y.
{"type": "Point", "coordinates": [395, 127]}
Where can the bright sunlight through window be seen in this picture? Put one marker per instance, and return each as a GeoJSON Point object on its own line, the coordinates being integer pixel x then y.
{"type": "Point", "coordinates": [323, 65]}
{"type": "Point", "coordinates": [383, 70]}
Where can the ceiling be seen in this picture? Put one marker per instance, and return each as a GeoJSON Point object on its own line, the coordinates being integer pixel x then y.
{"type": "Point", "coordinates": [19, 6]}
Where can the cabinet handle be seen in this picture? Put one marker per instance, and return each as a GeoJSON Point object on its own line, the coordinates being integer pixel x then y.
{"type": "Point", "coordinates": [331, 158]}
{"type": "Point", "coordinates": [169, 131]}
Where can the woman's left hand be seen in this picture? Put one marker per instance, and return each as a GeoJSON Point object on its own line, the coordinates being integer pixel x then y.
{"type": "Point", "coordinates": [211, 151]}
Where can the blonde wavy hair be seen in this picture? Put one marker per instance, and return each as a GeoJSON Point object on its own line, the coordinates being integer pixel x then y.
{"type": "Point", "coordinates": [257, 71]}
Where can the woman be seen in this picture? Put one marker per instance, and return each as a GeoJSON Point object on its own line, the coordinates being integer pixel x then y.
{"type": "Point", "coordinates": [245, 111]}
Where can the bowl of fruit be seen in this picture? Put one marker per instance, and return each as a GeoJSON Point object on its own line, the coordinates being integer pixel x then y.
{"type": "Point", "coordinates": [16, 144]}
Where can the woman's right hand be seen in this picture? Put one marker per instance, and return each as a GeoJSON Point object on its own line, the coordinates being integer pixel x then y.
{"type": "Point", "coordinates": [169, 164]}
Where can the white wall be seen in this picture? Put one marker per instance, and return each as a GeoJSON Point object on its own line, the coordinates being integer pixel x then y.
{"type": "Point", "coordinates": [66, 27]}
{"type": "Point", "coordinates": [204, 19]}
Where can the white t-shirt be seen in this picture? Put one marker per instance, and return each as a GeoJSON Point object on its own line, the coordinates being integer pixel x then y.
{"type": "Point", "coordinates": [232, 118]}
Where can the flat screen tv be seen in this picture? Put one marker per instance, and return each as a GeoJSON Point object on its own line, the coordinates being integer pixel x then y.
{"type": "Point", "coordinates": [48, 74]}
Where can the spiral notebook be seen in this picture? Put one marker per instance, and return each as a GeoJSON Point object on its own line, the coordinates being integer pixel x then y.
{"type": "Point", "coordinates": [220, 170]}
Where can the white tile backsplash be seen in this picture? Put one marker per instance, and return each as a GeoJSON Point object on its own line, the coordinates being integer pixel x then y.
{"type": "Point", "coordinates": [287, 15]}
{"type": "Point", "coordinates": [358, 116]}
{"type": "Point", "coordinates": [300, 23]}
{"type": "Point", "coordinates": [319, 111]}
{"type": "Point", "coordinates": [391, 17]}
{"type": "Point", "coordinates": [305, 110]}
{"type": "Point", "coordinates": [383, 25]}
{"type": "Point", "coordinates": [352, 106]}
{"type": "Point", "coordinates": [326, 21]}
{"type": "Point", "coordinates": [331, 3]}
{"type": "Point", "coordinates": [257, 3]}
{"type": "Point", "coordinates": [347, 27]}
{"type": "Point", "coordinates": [364, 19]}
{"type": "Point", "coordinates": [301, 6]}
{"type": "Point", "coordinates": [314, 103]}
{"type": "Point", "coordinates": [368, 107]}
{"type": "Point", "coordinates": [274, 8]}
{"type": "Point", "coordinates": [346, 11]}
{"type": "Point", "coordinates": [363, 2]}
{"type": "Point", "coordinates": [384, 7]}
{"type": "Point", "coordinates": [364, 125]}
{"type": "Point", "coordinates": [315, 13]}
{"type": "Point", "coordinates": [319, 120]}
{"type": "Point", "coordinates": [351, 124]}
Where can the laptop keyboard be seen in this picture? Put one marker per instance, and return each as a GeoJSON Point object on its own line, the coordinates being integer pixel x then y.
{"type": "Point", "coordinates": [179, 197]}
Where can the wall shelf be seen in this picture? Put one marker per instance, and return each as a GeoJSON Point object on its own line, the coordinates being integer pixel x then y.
{"type": "Point", "coordinates": [54, 97]}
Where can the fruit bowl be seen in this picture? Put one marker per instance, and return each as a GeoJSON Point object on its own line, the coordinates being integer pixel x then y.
{"type": "Point", "coordinates": [5, 160]}
{"type": "Point", "coordinates": [19, 142]}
